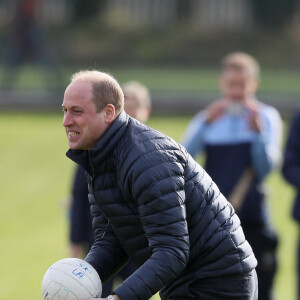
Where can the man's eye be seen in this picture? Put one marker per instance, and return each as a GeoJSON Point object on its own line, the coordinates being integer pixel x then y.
{"type": "Point", "coordinates": [77, 111]}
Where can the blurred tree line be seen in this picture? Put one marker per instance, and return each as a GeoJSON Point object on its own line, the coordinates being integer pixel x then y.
{"type": "Point", "coordinates": [183, 32]}
{"type": "Point", "coordinates": [82, 10]}
{"type": "Point", "coordinates": [272, 14]}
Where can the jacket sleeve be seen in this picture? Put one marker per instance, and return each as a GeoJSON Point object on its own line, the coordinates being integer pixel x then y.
{"type": "Point", "coordinates": [291, 164]}
{"type": "Point", "coordinates": [158, 185]}
{"type": "Point", "coordinates": [106, 255]}
{"type": "Point", "coordinates": [266, 146]}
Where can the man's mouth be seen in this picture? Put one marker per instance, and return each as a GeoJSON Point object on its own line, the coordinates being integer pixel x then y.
{"type": "Point", "coordinates": [72, 133]}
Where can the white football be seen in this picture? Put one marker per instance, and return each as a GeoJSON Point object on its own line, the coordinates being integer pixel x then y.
{"type": "Point", "coordinates": [71, 279]}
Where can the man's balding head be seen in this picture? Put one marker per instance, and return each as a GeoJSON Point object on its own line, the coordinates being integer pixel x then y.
{"type": "Point", "coordinates": [105, 89]}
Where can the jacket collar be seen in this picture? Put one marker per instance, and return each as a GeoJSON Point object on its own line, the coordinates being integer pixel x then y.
{"type": "Point", "coordinates": [104, 146]}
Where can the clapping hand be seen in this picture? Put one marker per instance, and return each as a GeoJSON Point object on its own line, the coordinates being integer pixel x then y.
{"type": "Point", "coordinates": [216, 110]}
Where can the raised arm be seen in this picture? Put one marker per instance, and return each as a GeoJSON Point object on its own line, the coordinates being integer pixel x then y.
{"type": "Point", "coordinates": [266, 146]}
{"type": "Point", "coordinates": [193, 137]}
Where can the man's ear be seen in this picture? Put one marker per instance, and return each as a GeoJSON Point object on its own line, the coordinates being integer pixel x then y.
{"type": "Point", "coordinates": [110, 113]}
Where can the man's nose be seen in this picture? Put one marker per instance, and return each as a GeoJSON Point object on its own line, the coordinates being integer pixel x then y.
{"type": "Point", "coordinates": [67, 121]}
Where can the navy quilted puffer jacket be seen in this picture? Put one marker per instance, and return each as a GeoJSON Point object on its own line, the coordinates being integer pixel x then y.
{"type": "Point", "coordinates": [152, 202]}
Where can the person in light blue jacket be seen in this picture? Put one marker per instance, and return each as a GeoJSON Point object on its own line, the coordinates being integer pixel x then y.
{"type": "Point", "coordinates": [241, 137]}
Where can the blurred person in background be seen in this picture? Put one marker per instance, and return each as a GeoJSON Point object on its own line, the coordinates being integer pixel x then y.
{"type": "Point", "coordinates": [137, 103]}
{"type": "Point", "coordinates": [240, 137]}
{"type": "Point", "coordinates": [291, 172]}
{"type": "Point", "coordinates": [26, 43]}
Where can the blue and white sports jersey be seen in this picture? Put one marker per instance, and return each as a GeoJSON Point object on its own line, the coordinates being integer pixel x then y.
{"type": "Point", "coordinates": [231, 146]}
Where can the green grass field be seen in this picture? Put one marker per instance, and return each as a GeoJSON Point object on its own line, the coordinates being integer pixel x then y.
{"type": "Point", "coordinates": [167, 79]}
{"type": "Point", "coordinates": [36, 177]}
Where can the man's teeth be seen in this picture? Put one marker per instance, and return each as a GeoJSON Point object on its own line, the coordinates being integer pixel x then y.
{"type": "Point", "coordinates": [72, 133]}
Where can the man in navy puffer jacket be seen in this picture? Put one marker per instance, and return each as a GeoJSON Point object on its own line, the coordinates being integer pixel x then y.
{"type": "Point", "coordinates": [152, 202]}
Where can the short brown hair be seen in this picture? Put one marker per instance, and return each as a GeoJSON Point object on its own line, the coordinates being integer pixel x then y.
{"type": "Point", "coordinates": [241, 61]}
{"type": "Point", "coordinates": [106, 89]}
{"type": "Point", "coordinates": [138, 91]}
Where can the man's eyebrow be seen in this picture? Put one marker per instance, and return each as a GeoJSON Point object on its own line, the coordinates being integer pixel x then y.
{"type": "Point", "coordinates": [72, 107]}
